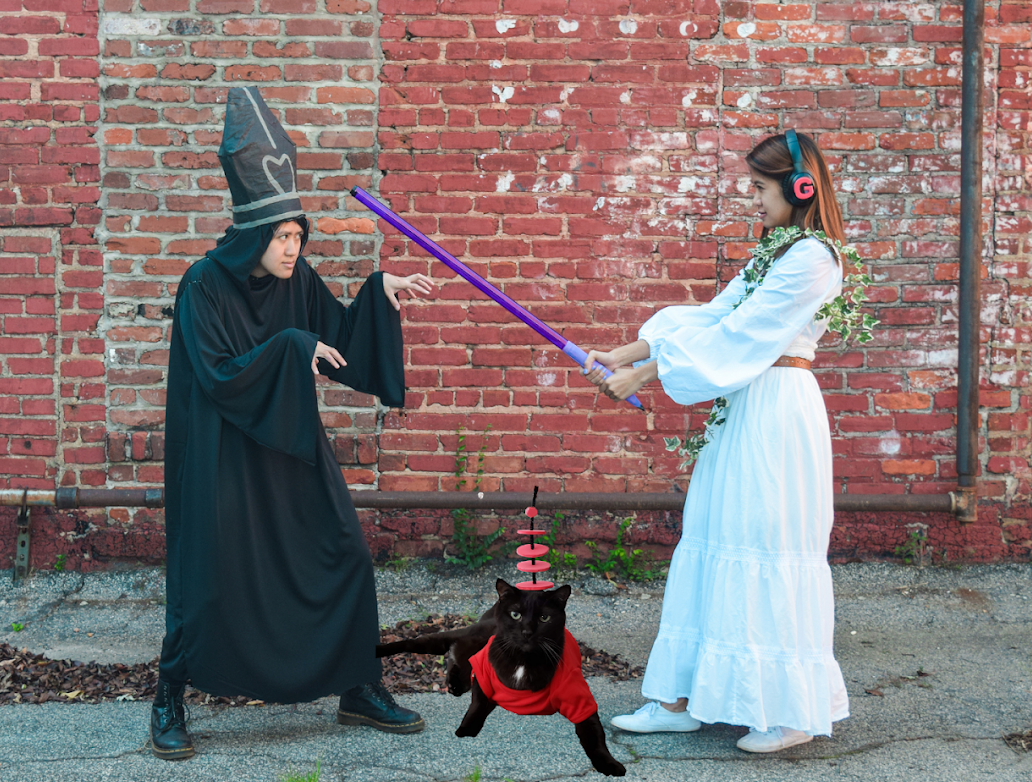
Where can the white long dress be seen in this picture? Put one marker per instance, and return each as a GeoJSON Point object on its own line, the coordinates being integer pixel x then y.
{"type": "Point", "coordinates": [748, 614]}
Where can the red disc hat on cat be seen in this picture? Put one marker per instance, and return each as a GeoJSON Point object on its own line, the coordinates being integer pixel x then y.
{"type": "Point", "coordinates": [533, 551]}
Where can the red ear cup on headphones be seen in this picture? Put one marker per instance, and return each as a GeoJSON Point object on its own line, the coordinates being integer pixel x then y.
{"type": "Point", "coordinates": [798, 189]}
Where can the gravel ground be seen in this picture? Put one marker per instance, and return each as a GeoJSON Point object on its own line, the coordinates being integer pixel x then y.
{"type": "Point", "coordinates": [938, 664]}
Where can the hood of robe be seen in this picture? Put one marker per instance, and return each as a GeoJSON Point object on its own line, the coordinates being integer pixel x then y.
{"type": "Point", "coordinates": [240, 250]}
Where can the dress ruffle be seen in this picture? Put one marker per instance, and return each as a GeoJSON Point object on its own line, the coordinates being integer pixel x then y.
{"type": "Point", "coordinates": [748, 615]}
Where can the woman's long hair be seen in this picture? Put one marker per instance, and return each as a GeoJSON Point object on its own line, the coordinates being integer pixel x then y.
{"type": "Point", "coordinates": [772, 159]}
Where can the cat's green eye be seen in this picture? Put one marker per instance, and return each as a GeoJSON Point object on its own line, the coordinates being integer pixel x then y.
{"type": "Point", "coordinates": [544, 618]}
{"type": "Point", "coordinates": [515, 615]}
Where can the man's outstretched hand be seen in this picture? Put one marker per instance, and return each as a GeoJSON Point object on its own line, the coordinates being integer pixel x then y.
{"type": "Point", "coordinates": [331, 354]}
{"type": "Point", "coordinates": [416, 284]}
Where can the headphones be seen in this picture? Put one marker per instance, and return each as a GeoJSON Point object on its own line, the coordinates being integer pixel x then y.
{"type": "Point", "coordinates": [798, 187]}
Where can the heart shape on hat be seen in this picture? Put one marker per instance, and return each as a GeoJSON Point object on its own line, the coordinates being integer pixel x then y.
{"type": "Point", "coordinates": [278, 162]}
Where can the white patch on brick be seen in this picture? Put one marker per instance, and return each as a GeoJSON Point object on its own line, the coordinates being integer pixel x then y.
{"type": "Point", "coordinates": [503, 93]}
{"type": "Point", "coordinates": [504, 182]}
{"type": "Point", "coordinates": [547, 378]}
{"type": "Point", "coordinates": [625, 97]}
{"type": "Point", "coordinates": [628, 27]}
{"type": "Point", "coordinates": [131, 26]}
{"type": "Point", "coordinates": [568, 27]}
{"type": "Point", "coordinates": [624, 184]}
{"type": "Point", "coordinates": [690, 184]}
{"type": "Point", "coordinates": [685, 26]}
{"type": "Point", "coordinates": [745, 29]}
{"type": "Point", "coordinates": [690, 96]}
{"type": "Point", "coordinates": [889, 445]}
{"type": "Point", "coordinates": [504, 25]}
{"type": "Point", "coordinates": [561, 184]}
{"type": "Point", "coordinates": [599, 203]}
{"type": "Point", "coordinates": [552, 115]}
{"type": "Point", "coordinates": [496, 64]}
{"type": "Point", "coordinates": [744, 101]}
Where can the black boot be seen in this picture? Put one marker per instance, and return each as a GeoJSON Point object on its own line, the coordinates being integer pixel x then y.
{"type": "Point", "coordinates": [169, 739]}
{"type": "Point", "coordinates": [372, 705]}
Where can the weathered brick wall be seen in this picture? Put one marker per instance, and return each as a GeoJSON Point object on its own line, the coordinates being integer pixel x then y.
{"type": "Point", "coordinates": [585, 154]}
{"type": "Point", "coordinates": [52, 420]}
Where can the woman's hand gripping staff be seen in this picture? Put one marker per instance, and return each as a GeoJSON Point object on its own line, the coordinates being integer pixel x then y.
{"type": "Point", "coordinates": [625, 379]}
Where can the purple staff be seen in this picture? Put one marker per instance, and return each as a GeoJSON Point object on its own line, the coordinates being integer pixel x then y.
{"type": "Point", "coordinates": [478, 282]}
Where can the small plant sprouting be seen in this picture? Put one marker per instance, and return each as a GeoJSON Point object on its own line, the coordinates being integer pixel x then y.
{"type": "Point", "coordinates": [17, 626]}
{"type": "Point", "coordinates": [914, 550]}
{"type": "Point", "coordinates": [297, 776]}
{"type": "Point", "coordinates": [563, 565]}
{"type": "Point", "coordinates": [399, 563]}
{"type": "Point", "coordinates": [59, 563]}
{"type": "Point", "coordinates": [633, 565]}
{"type": "Point", "coordinates": [469, 547]}
{"type": "Point", "coordinates": [474, 775]}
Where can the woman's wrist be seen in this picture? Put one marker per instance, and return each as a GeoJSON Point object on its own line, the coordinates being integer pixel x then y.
{"type": "Point", "coordinates": [648, 372]}
{"type": "Point", "coordinates": [628, 354]}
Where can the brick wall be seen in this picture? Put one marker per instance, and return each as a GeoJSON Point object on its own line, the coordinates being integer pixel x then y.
{"type": "Point", "coordinates": [585, 154]}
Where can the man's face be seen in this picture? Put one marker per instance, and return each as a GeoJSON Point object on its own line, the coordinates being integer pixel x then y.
{"type": "Point", "coordinates": [281, 256]}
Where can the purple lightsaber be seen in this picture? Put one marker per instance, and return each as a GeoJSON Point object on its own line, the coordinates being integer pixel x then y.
{"type": "Point", "coordinates": [478, 282]}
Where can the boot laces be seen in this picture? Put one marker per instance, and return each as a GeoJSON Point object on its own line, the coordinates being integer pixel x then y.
{"type": "Point", "coordinates": [381, 692]}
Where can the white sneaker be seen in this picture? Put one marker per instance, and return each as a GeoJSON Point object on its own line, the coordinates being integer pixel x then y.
{"type": "Point", "coordinates": [772, 740]}
{"type": "Point", "coordinates": [653, 718]}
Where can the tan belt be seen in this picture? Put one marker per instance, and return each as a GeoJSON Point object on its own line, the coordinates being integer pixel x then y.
{"type": "Point", "coordinates": [792, 361]}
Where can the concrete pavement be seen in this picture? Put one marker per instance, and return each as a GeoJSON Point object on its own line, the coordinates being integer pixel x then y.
{"type": "Point", "coordinates": [968, 629]}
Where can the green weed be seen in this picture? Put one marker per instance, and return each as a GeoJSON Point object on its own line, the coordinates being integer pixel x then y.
{"type": "Point", "coordinates": [469, 547]}
{"type": "Point", "coordinates": [914, 549]}
{"type": "Point", "coordinates": [632, 565]}
{"type": "Point", "coordinates": [297, 776]}
{"type": "Point", "coordinates": [399, 564]}
{"type": "Point", "coordinates": [563, 565]}
{"type": "Point", "coordinates": [17, 626]}
{"type": "Point", "coordinates": [59, 563]}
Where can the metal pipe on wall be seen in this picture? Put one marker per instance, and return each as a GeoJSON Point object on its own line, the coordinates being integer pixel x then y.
{"type": "Point", "coordinates": [71, 497]}
{"type": "Point", "coordinates": [969, 342]}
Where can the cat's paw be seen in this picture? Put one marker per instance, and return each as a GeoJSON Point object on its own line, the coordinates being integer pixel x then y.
{"type": "Point", "coordinates": [458, 687]}
{"type": "Point", "coordinates": [611, 767]}
{"type": "Point", "coordinates": [462, 731]}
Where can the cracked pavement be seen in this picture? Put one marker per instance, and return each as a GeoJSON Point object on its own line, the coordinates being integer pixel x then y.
{"type": "Point", "coordinates": [937, 661]}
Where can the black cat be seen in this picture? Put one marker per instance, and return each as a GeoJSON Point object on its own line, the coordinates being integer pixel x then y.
{"type": "Point", "coordinates": [531, 665]}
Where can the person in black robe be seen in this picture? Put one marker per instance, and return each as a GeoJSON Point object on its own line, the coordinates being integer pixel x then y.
{"type": "Point", "coordinates": [269, 582]}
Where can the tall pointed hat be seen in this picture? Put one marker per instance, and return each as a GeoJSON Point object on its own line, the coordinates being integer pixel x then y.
{"type": "Point", "coordinates": [260, 162]}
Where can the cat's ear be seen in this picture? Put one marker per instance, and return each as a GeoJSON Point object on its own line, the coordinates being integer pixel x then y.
{"type": "Point", "coordinates": [503, 587]}
{"type": "Point", "coordinates": [560, 595]}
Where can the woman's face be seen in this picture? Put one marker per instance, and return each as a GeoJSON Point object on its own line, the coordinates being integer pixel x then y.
{"type": "Point", "coordinates": [770, 202]}
{"type": "Point", "coordinates": [281, 255]}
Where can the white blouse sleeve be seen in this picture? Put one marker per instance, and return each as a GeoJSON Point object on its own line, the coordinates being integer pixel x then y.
{"type": "Point", "coordinates": [696, 364]}
{"type": "Point", "coordinates": [660, 326]}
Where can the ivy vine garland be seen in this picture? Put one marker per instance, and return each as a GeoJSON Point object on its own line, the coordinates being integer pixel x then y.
{"type": "Point", "coordinates": [842, 313]}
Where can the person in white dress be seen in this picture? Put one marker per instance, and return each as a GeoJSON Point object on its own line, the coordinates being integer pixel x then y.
{"type": "Point", "coordinates": [746, 634]}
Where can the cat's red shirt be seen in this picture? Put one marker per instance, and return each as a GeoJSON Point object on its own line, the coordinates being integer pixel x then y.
{"type": "Point", "coordinates": [567, 693]}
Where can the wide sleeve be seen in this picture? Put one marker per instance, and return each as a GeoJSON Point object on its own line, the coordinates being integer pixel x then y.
{"type": "Point", "coordinates": [696, 364]}
{"type": "Point", "coordinates": [269, 392]}
{"type": "Point", "coordinates": [367, 333]}
{"type": "Point", "coordinates": [660, 326]}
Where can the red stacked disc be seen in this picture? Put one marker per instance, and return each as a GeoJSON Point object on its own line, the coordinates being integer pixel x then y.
{"type": "Point", "coordinates": [533, 551]}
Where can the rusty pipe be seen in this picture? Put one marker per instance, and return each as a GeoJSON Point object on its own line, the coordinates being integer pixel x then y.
{"type": "Point", "coordinates": [74, 497]}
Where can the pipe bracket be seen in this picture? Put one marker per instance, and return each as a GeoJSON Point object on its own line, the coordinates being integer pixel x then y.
{"type": "Point", "coordinates": [22, 543]}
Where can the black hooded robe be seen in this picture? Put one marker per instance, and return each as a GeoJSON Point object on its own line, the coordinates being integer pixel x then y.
{"type": "Point", "coordinates": [270, 581]}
